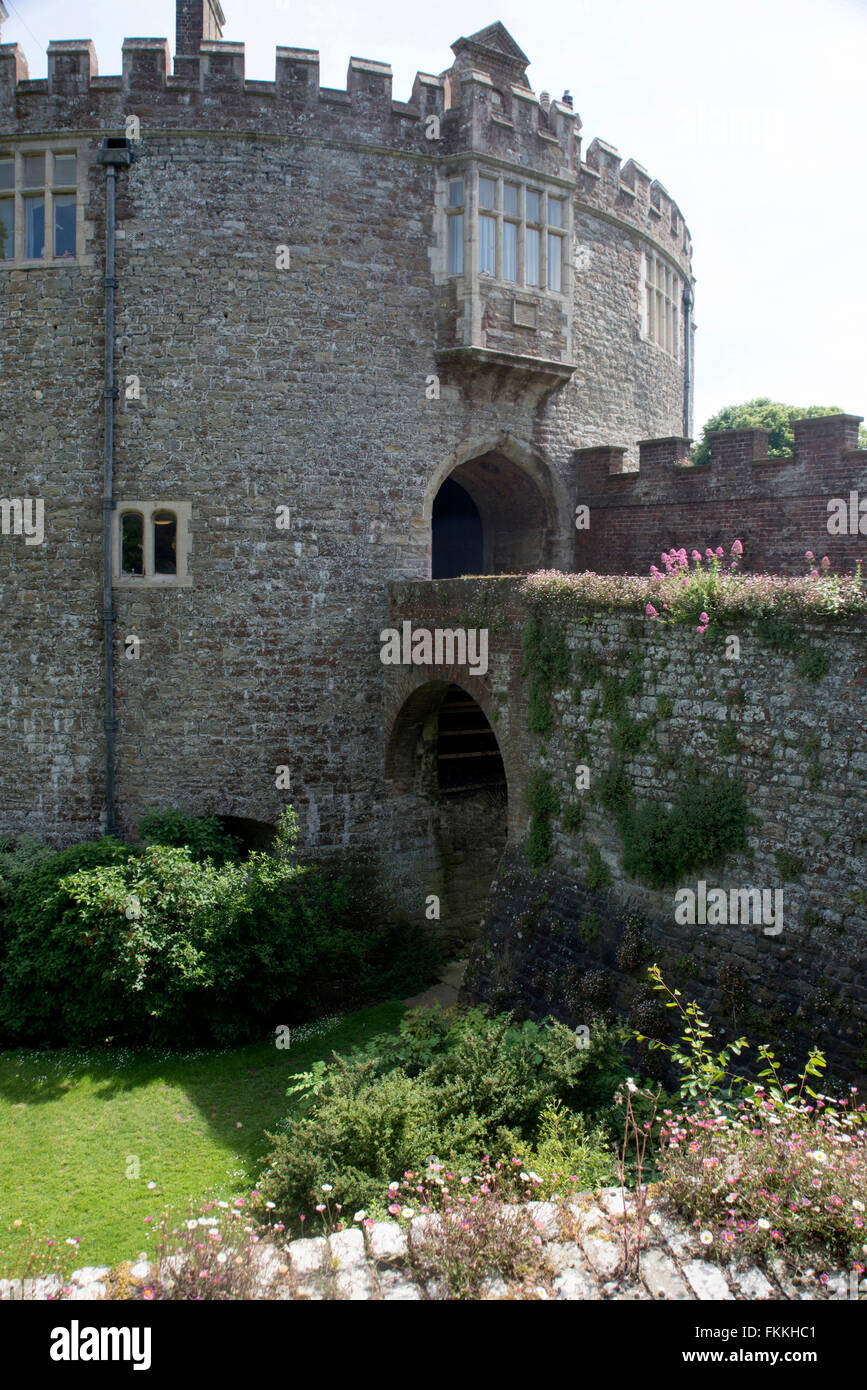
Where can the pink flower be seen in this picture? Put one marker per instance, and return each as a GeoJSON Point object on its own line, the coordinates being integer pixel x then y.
{"type": "Point", "coordinates": [825, 562]}
{"type": "Point", "coordinates": [651, 611]}
{"type": "Point", "coordinates": [808, 555]}
{"type": "Point", "coordinates": [737, 548]}
{"type": "Point", "coordinates": [709, 554]}
{"type": "Point", "coordinates": [703, 618]}
{"type": "Point", "coordinates": [696, 555]}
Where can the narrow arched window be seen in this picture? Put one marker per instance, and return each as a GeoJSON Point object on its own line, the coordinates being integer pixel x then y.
{"type": "Point", "coordinates": [132, 543]}
{"type": "Point", "coordinates": [165, 543]}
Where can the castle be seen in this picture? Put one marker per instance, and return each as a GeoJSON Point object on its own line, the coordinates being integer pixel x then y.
{"type": "Point", "coordinates": [271, 346]}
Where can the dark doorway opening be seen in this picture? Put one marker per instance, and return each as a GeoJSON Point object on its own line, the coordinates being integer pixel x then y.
{"type": "Point", "coordinates": [253, 834]}
{"type": "Point", "coordinates": [447, 778]}
{"type": "Point", "coordinates": [468, 759]}
{"type": "Point", "coordinates": [456, 533]}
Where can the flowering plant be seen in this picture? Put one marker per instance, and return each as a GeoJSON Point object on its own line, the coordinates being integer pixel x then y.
{"type": "Point", "coordinates": [689, 587]}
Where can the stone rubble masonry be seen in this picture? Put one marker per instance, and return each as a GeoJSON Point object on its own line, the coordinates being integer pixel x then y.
{"type": "Point", "coordinates": [306, 387]}
{"type": "Point", "coordinates": [800, 759]}
{"type": "Point", "coordinates": [377, 1265]}
{"type": "Point", "coordinates": [263, 387]}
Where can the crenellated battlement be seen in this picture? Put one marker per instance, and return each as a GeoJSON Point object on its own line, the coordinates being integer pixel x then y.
{"type": "Point", "coordinates": [825, 446]}
{"type": "Point", "coordinates": [778, 504]}
{"type": "Point", "coordinates": [482, 105]}
{"type": "Point", "coordinates": [628, 191]}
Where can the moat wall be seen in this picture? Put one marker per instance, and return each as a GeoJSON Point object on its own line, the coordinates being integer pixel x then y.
{"type": "Point", "coordinates": [664, 708]}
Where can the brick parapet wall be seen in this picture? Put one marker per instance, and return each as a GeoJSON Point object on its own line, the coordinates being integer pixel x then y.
{"type": "Point", "coordinates": [778, 507]}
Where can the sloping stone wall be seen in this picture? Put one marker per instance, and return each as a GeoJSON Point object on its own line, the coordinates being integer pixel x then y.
{"type": "Point", "coordinates": [575, 935]}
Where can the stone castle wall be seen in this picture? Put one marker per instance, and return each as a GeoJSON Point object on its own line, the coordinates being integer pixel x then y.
{"type": "Point", "coordinates": [302, 387]}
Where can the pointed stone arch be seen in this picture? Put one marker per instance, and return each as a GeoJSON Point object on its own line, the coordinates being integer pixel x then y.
{"type": "Point", "coordinates": [525, 510]}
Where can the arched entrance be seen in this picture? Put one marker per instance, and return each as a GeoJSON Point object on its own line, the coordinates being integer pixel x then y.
{"type": "Point", "coordinates": [491, 514]}
{"type": "Point", "coordinates": [456, 533]}
{"type": "Point", "coordinates": [445, 774]}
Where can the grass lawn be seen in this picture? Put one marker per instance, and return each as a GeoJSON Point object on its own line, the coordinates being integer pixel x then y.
{"type": "Point", "coordinates": [73, 1122]}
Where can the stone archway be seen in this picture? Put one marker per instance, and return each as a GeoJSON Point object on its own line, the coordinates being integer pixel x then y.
{"type": "Point", "coordinates": [521, 508]}
{"type": "Point", "coordinates": [447, 783]}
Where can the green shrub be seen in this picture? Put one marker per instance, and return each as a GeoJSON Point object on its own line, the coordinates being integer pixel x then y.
{"type": "Point", "coordinates": [589, 927]}
{"type": "Point", "coordinates": [17, 860]}
{"type": "Point", "coordinates": [573, 817]}
{"type": "Point", "coordinates": [543, 801]}
{"type": "Point", "coordinates": [630, 735]}
{"type": "Point", "coordinates": [568, 1153]}
{"type": "Point", "coordinates": [39, 964]}
{"type": "Point", "coordinates": [790, 866]}
{"type": "Point", "coordinates": [155, 946]}
{"type": "Point", "coordinates": [540, 843]}
{"type": "Point", "coordinates": [546, 662]}
{"type": "Point", "coordinates": [597, 875]}
{"type": "Point", "coordinates": [813, 664]}
{"type": "Point", "coordinates": [727, 740]}
{"type": "Point", "coordinates": [707, 822]}
{"type": "Point", "coordinates": [634, 682]}
{"type": "Point", "coordinates": [542, 798]}
{"type": "Point", "coordinates": [203, 836]}
{"type": "Point", "coordinates": [454, 1088]}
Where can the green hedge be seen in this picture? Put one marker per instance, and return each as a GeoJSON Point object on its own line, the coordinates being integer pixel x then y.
{"type": "Point", "coordinates": [160, 945]}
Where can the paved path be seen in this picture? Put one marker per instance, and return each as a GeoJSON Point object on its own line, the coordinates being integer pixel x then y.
{"type": "Point", "coordinates": [446, 992]}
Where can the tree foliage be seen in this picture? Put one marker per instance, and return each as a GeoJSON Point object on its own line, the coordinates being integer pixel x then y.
{"type": "Point", "coordinates": [764, 414]}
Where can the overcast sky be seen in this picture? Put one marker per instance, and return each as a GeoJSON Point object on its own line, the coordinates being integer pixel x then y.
{"type": "Point", "coordinates": [752, 114]}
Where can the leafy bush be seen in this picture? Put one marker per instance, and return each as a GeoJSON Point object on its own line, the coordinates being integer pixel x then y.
{"type": "Point", "coordinates": [453, 1088]}
{"type": "Point", "coordinates": [597, 875]}
{"type": "Point", "coordinates": [546, 662]}
{"type": "Point", "coordinates": [764, 414]}
{"type": "Point", "coordinates": [707, 822]}
{"type": "Point", "coordinates": [544, 802]}
{"type": "Point", "coordinates": [37, 963]}
{"type": "Point", "coordinates": [568, 1154]}
{"type": "Point", "coordinates": [156, 945]}
{"type": "Point", "coordinates": [203, 836]}
{"type": "Point", "coordinates": [17, 860]}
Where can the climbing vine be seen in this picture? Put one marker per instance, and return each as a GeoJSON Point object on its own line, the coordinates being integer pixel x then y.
{"type": "Point", "coordinates": [546, 662]}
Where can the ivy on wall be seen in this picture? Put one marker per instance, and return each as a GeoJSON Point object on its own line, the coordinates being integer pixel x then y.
{"type": "Point", "coordinates": [709, 817]}
{"type": "Point", "coordinates": [546, 662]}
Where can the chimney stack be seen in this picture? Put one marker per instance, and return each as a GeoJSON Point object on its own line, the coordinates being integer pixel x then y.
{"type": "Point", "coordinates": [196, 22]}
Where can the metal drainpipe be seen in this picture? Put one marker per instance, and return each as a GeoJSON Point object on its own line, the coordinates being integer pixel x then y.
{"type": "Point", "coordinates": [687, 364]}
{"type": "Point", "coordinates": [113, 154]}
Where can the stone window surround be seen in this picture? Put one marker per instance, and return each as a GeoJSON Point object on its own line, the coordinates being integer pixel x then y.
{"type": "Point", "coordinates": [54, 145]}
{"type": "Point", "coordinates": [182, 510]}
{"type": "Point", "coordinates": [650, 259]}
{"type": "Point", "coordinates": [471, 173]}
